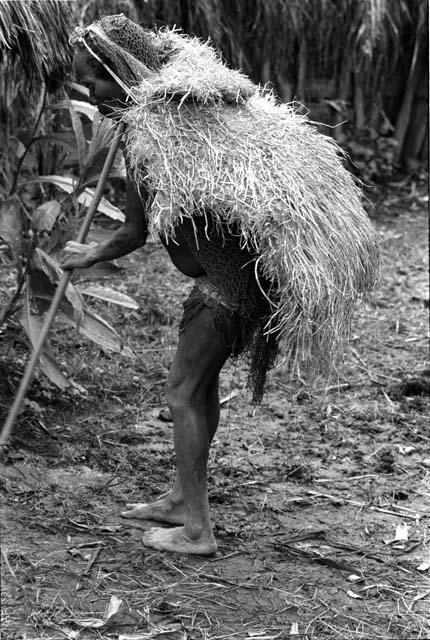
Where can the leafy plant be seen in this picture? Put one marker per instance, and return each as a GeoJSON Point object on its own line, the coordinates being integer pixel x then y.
{"type": "Point", "coordinates": [35, 234]}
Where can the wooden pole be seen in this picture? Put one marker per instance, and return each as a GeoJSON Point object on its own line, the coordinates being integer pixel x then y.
{"type": "Point", "coordinates": [404, 114]}
{"type": "Point", "coordinates": [61, 287]}
{"type": "Point", "coordinates": [415, 134]}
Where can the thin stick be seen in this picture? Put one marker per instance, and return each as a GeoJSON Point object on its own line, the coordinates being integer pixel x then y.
{"type": "Point", "coordinates": [5, 558]}
{"type": "Point", "coordinates": [61, 287]}
{"type": "Point", "coordinates": [362, 505]}
{"type": "Point", "coordinates": [30, 141]}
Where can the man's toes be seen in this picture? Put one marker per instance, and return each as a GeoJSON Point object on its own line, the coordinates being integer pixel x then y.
{"type": "Point", "coordinates": [149, 536]}
{"type": "Point", "coordinates": [175, 540]}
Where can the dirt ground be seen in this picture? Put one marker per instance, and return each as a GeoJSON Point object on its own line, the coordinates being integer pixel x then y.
{"type": "Point", "coordinates": [320, 497]}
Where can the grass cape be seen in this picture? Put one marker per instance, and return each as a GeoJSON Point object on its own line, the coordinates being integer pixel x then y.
{"type": "Point", "coordinates": [205, 138]}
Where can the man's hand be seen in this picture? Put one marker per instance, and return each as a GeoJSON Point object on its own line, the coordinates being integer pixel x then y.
{"type": "Point", "coordinates": [79, 256]}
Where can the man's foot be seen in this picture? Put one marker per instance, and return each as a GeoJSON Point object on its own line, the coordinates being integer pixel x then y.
{"type": "Point", "coordinates": [176, 540]}
{"type": "Point", "coordinates": [163, 510]}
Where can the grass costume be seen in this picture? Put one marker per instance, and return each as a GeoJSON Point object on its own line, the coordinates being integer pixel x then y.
{"type": "Point", "coordinates": [215, 148]}
{"type": "Point", "coordinates": [248, 199]}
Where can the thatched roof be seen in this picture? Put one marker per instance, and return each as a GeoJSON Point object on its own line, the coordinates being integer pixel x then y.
{"type": "Point", "coordinates": [270, 33]}
{"type": "Point", "coordinates": [251, 32]}
{"type": "Point", "coordinates": [34, 40]}
{"type": "Point", "coordinates": [264, 37]}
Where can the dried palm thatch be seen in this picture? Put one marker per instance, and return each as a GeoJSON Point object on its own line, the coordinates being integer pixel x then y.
{"type": "Point", "coordinates": [208, 140]}
{"type": "Point", "coordinates": [34, 34]}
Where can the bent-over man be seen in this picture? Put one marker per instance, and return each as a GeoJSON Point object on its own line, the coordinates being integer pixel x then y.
{"type": "Point", "coordinates": [239, 297]}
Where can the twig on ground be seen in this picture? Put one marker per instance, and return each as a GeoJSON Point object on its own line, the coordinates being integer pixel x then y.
{"type": "Point", "coordinates": [389, 401]}
{"type": "Point", "coordinates": [362, 505]}
{"type": "Point", "coordinates": [229, 397]}
{"type": "Point", "coordinates": [308, 535]}
{"type": "Point", "coordinates": [89, 565]}
{"type": "Point", "coordinates": [92, 560]}
{"type": "Point", "coordinates": [339, 387]}
{"type": "Point", "coordinates": [359, 358]}
{"type": "Point", "coordinates": [349, 478]}
{"type": "Point", "coordinates": [6, 559]}
{"type": "Point", "coordinates": [329, 562]}
{"type": "Point", "coordinates": [229, 555]}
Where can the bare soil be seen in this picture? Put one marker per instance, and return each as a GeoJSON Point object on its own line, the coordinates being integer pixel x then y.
{"type": "Point", "coordinates": [320, 497]}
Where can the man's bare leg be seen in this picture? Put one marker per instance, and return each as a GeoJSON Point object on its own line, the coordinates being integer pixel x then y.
{"type": "Point", "coordinates": [170, 507]}
{"type": "Point", "coordinates": [194, 404]}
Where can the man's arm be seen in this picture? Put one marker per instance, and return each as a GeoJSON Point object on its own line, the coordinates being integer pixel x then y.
{"type": "Point", "coordinates": [130, 236]}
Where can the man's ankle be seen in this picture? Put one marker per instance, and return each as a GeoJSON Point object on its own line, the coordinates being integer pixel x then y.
{"type": "Point", "coordinates": [175, 499]}
{"type": "Point", "coordinates": [196, 532]}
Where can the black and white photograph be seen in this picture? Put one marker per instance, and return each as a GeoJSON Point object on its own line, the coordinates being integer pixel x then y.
{"type": "Point", "coordinates": [214, 320]}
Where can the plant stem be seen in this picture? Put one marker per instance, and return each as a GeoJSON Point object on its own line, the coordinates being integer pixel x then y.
{"type": "Point", "coordinates": [59, 292]}
{"type": "Point", "coordinates": [32, 136]}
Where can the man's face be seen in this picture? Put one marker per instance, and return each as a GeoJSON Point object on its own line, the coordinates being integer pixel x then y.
{"type": "Point", "coordinates": [105, 93]}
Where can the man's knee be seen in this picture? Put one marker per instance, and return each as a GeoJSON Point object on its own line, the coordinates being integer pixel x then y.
{"type": "Point", "coordinates": [186, 391]}
{"type": "Point", "coordinates": [174, 395]}
{"type": "Point", "coordinates": [179, 391]}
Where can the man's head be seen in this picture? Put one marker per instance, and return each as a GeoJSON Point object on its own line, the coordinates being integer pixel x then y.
{"type": "Point", "coordinates": [104, 91]}
{"type": "Point", "coordinates": [112, 55]}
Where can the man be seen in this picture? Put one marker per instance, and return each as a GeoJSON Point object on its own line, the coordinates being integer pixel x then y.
{"type": "Point", "coordinates": [160, 84]}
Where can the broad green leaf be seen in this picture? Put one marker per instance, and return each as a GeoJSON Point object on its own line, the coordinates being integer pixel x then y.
{"type": "Point", "coordinates": [80, 88]}
{"type": "Point", "coordinates": [109, 295]}
{"type": "Point", "coordinates": [49, 267]}
{"type": "Point", "coordinates": [32, 325]}
{"type": "Point", "coordinates": [98, 330]}
{"type": "Point", "coordinates": [78, 129]}
{"type": "Point", "coordinates": [51, 369]}
{"type": "Point", "coordinates": [105, 206]}
{"type": "Point", "coordinates": [65, 183]}
{"type": "Point", "coordinates": [104, 132]}
{"type": "Point", "coordinates": [102, 137]}
{"type": "Point", "coordinates": [63, 139]}
{"type": "Point", "coordinates": [20, 148]}
{"type": "Point", "coordinates": [81, 106]}
{"type": "Point", "coordinates": [69, 185]}
{"type": "Point", "coordinates": [45, 215]}
{"type": "Point", "coordinates": [46, 264]}
{"type": "Point", "coordinates": [10, 223]}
